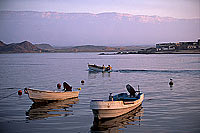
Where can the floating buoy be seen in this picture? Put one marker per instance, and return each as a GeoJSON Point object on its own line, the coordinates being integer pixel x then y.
{"type": "Point", "coordinates": [171, 83]}
{"type": "Point", "coordinates": [58, 85]}
{"type": "Point", "coordinates": [20, 92]}
{"type": "Point", "coordinates": [82, 81]}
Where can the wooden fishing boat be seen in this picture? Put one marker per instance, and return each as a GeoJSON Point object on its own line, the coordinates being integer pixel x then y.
{"type": "Point", "coordinates": [116, 105]}
{"type": "Point", "coordinates": [48, 96]}
{"type": "Point", "coordinates": [93, 67]}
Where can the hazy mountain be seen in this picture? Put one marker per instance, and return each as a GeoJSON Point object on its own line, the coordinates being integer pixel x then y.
{"type": "Point", "coordinates": [44, 46]}
{"type": "Point", "coordinates": [91, 48]}
{"type": "Point", "coordinates": [28, 47]}
{"type": "Point", "coordinates": [2, 44]}
{"type": "Point", "coordinates": [65, 29]}
{"type": "Point", "coordinates": [23, 47]}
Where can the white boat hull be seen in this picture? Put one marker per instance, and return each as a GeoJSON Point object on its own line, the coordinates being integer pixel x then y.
{"type": "Point", "coordinates": [42, 96]}
{"type": "Point", "coordinates": [110, 109]}
{"type": "Point", "coordinates": [93, 67]}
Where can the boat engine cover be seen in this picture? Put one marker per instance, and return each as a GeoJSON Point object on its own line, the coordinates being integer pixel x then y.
{"type": "Point", "coordinates": [131, 90]}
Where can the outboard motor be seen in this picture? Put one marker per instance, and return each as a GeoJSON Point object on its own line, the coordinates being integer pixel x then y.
{"type": "Point", "coordinates": [67, 87]}
{"type": "Point", "coordinates": [131, 90]}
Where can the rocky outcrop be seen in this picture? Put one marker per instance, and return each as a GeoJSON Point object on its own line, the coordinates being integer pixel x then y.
{"type": "Point", "coordinates": [44, 46]}
{"type": "Point", "coordinates": [23, 47]}
{"type": "Point", "coordinates": [2, 44]}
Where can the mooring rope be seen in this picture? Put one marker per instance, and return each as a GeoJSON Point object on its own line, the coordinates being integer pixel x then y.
{"type": "Point", "coordinates": [8, 95]}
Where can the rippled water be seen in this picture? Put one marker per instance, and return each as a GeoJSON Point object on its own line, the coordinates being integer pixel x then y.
{"type": "Point", "coordinates": [165, 109]}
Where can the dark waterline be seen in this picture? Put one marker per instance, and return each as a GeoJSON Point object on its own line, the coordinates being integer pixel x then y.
{"type": "Point", "coordinates": [165, 108]}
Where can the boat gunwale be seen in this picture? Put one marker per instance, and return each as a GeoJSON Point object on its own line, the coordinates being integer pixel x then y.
{"type": "Point", "coordinates": [49, 101]}
{"type": "Point", "coordinates": [47, 91]}
{"type": "Point", "coordinates": [74, 94]}
{"type": "Point", "coordinates": [119, 108]}
{"type": "Point", "coordinates": [98, 68]}
{"type": "Point", "coordinates": [125, 100]}
{"type": "Point", "coordinates": [109, 105]}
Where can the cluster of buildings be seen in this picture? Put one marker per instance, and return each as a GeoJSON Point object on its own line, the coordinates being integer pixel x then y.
{"type": "Point", "coordinates": [166, 48]}
{"type": "Point", "coordinates": [178, 46]}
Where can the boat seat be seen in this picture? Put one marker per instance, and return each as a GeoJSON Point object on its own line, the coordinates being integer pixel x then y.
{"type": "Point", "coordinates": [96, 100]}
{"type": "Point", "coordinates": [120, 96]}
{"type": "Point", "coordinates": [130, 99]}
{"type": "Point", "coordinates": [125, 97]}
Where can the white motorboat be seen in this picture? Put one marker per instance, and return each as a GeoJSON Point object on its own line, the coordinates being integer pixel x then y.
{"type": "Point", "coordinates": [46, 96]}
{"type": "Point", "coordinates": [93, 67]}
{"type": "Point", "coordinates": [116, 105]}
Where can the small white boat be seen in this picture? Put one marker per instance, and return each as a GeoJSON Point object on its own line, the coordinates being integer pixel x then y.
{"type": "Point", "coordinates": [46, 96]}
{"type": "Point", "coordinates": [93, 67]}
{"type": "Point", "coordinates": [116, 105]}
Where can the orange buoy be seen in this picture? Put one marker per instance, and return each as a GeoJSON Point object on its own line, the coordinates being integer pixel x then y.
{"type": "Point", "coordinates": [20, 92]}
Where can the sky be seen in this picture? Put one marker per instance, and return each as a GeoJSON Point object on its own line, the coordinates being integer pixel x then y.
{"type": "Point", "coordinates": [164, 8]}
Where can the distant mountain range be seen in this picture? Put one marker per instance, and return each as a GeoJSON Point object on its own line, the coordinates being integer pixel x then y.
{"type": "Point", "coordinates": [28, 47]}
{"type": "Point", "coordinates": [44, 46]}
{"type": "Point", "coordinates": [72, 29]}
{"type": "Point", "coordinates": [23, 47]}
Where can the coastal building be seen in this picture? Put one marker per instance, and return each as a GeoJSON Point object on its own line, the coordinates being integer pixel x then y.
{"type": "Point", "coordinates": [199, 42]}
{"type": "Point", "coordinates": [165, 46]}
{"type": "Point", "coordinates": [178, 46]}
{"type": "Point", "coordinates": [187, 45]}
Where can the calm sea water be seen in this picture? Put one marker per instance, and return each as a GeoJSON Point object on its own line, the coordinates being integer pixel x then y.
{"type": "Point", "coordinates": [165, 109]}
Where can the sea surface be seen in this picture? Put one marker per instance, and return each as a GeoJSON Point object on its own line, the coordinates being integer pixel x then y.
{"type": "Point", "coordinates": [165, 109]}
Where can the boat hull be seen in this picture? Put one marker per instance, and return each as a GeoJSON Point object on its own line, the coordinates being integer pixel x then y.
{"type": "Point", "coordinates": [47, 96]}
{"type": "Point", "coordinates": [110, 109]}
{"type": "Point", "coordinates": [93, 67]}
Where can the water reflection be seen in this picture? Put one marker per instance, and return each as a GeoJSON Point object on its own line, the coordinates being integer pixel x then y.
{"type": "Point", "coordinates": [171, 87]}
{"type": "Point", "coordinates": [53, 109]}
{"type": "Point", "coordinates": [94, 74]}
{"type": "Point", "coordinates": [113, 125]}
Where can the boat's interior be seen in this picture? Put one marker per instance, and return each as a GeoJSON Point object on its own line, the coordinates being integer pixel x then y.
{"type": "Point", "coordinates": [93, 65]}
{"type": "Point", "coordinates": [126, 97]}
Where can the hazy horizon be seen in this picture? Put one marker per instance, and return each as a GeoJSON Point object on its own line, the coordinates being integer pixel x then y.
{"type": "Point", "coordinates": [182, 9]}
{"type": "Point", "coordinates": [94, 22]}
{"type": "Point", "coordinates": [198, 17]}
